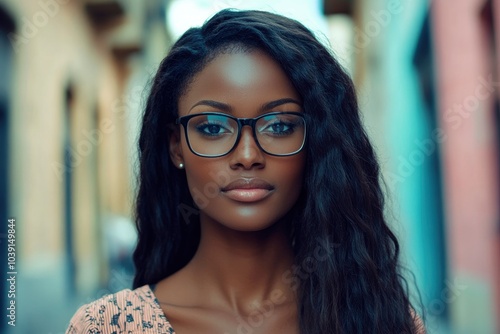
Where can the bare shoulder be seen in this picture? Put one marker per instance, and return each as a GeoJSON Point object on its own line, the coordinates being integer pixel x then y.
{"type": "Point", "coordinates": [184, 305]}
{"type": "Point", "coordinates": [177, 289]}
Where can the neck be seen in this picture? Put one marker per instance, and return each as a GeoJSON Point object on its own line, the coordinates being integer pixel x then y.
{"type": "Point", "coordinates": [243, 269]}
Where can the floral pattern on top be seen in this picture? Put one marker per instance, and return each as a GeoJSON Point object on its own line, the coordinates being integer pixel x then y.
{"type": "Point", "coordinates": [135, 311]}
{"type": "Point", "coordinates": [127, 311]}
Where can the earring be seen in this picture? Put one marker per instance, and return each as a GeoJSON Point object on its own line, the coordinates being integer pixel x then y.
{"type": "Point", "coordinates": [181, 165]}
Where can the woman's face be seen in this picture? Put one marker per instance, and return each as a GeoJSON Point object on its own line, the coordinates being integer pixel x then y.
{"type": "Point", "coordinates": [247, 189]}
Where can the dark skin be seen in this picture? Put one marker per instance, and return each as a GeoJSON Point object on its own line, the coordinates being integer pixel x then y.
{"type": "Point", "coordinates": [234, 283]}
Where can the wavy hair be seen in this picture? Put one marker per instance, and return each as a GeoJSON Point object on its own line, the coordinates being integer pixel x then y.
{"type": "Point", "coordinates": [358, 287]}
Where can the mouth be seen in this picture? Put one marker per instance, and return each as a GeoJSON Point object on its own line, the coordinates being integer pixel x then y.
{"type": "Point", "coordinates": [248, 190]}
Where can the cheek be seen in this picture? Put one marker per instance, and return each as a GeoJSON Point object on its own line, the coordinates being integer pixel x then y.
{"type": "Point", "coordinates": [290, 175]}
{"type": "Point", "coordinates": [293, 168]}
{"type": "Point", "coordinates": [201, 186]}
{"type": "Point", "coordinates": [203, 178]}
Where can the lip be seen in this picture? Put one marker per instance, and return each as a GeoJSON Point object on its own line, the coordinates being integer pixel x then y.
{"type": "Point", "coordinates": [248, 190]}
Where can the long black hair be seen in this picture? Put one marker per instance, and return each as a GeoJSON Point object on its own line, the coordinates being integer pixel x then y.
{"type": "Point", "coordinates": [355, 285]}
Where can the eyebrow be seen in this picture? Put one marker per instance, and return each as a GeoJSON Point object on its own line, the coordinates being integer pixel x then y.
{"type": "Point", "coordinates": [227, 108]}
{"type": "Point", "coordinates": [214, 104]}
{"type": "Point", "coordinates": [274, 104]}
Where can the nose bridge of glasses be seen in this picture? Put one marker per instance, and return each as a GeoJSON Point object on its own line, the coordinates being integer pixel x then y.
{"type": "Point", "coordinates": [246, 121]}
{"type": "Point", "coordinates": [250, 122]}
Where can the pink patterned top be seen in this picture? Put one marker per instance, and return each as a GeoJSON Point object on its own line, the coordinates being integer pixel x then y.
{"type": "Point", "coordinates": [136, 311]}
{"type": "Point", "coordinates": [126, 311]}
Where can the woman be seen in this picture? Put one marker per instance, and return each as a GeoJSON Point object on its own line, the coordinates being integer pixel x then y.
{"type": "Point", "coordinates": [259, 208]}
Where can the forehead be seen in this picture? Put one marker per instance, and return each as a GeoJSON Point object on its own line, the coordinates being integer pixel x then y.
{"type": "Point", "coordinates": [243, 80]}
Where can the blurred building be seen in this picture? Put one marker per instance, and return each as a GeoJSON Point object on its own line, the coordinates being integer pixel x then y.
{"type": "Point", "coordinates": [468, 85]}
{"type": "Point", "coordinates": [68, 121]}
{"type": "Point", "coordinates": [427, 76]}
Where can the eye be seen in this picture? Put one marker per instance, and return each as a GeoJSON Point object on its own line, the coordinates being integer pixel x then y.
{"type": "Point", "coordinates": [213, 129]}
{"type": "Point", "coordinates": [278, 127]}
{"type": "Point", "coordinates": [281, 127]}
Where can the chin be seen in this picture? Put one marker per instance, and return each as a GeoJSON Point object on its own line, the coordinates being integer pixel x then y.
{"type": "Point", "coordinates": [246, 219]}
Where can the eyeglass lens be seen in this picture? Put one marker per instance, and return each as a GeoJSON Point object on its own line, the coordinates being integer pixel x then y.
{"type": "Point", "coordinates": [279, 134]}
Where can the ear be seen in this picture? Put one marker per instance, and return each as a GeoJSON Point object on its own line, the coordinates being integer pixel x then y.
{"type": "Point", "coordinates": [175, 148]}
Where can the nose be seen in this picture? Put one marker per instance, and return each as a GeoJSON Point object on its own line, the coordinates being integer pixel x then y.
{"type": "Point", "coordinates": [247, 154]}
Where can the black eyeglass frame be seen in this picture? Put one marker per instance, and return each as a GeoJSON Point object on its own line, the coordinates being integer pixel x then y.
{"type": "Point", "coordinates": [241, 123]}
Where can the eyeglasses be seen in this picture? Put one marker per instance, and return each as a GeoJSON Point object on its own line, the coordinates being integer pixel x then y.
{"type": "Point", "coordinates": [214, 134]}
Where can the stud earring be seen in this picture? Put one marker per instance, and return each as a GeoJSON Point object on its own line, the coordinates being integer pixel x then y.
{"type": "Point", "coordinates": [181, 165]}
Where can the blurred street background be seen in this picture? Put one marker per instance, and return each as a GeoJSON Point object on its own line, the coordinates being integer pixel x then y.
{"type": "Point", "coordinates": [73, 78]}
